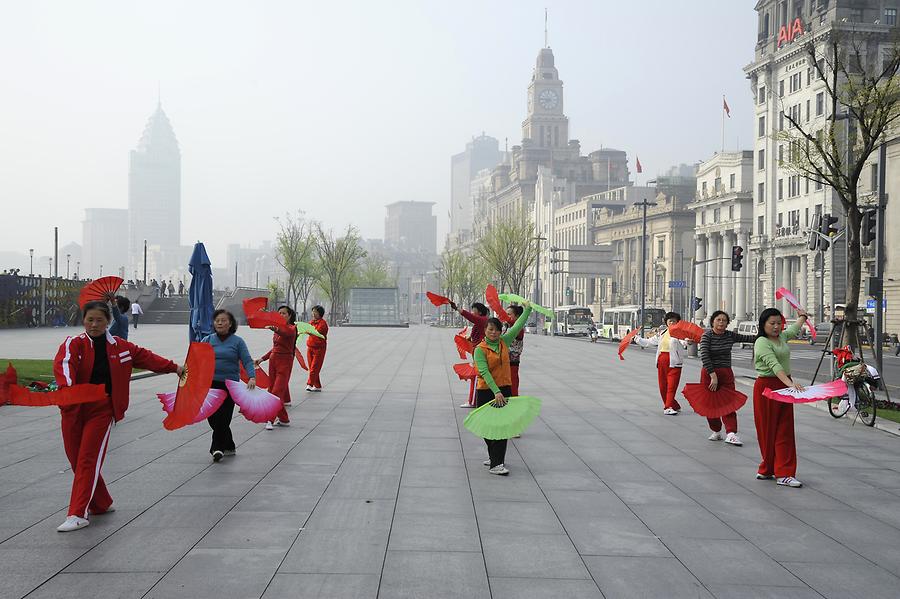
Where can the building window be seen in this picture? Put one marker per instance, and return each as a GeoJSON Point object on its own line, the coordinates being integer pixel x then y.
{"type": "Point", "coordinates": [819, 184]}
{"type": "Point", "coordinates": [703, 189]}
{"type": "Point", "coordinates": [795, 82]}
{"type": "Point", "coordinates": [781, 88]}
{"type": "Point", "coordinates": [874, 175]}
{"type": "Point", "coordinates": [661, 248]}
{"type": "Point", "coordinates": [761, 98]}
{"type": "Point", "coordinates": [780, 154]}
{"type": "Point", "coordinates": [718, 184]}
{"type": "Point", "coordinates": [760, 224]}
{"type": "Point", "coordinates": [703, 217]}
{"type": "Point", "coordinates": [761, 193]}
{"type": "Point", "coordinates": [794, 186]}
{"type": "Point", "coordinates": [807, 110]}
{"type": "Point", "coordinates": [731, 179]}
{"type": "Point", "coordinates": [781, 189]}
{"type": "Point", "coordinates": [731, 213]}
{"type": "Point", "coordinates": [820, 103]}
{"type": "Point", "coordinates": [716, 215]}
{"type": "Point", "coordinates": [781, 121]}
{"type": "Point", "coordinates": [761, 127]}
{"type": "Point", "coordinates": [890, 16]}
{"type": "Point", "coordinates": [761, 162]}
{"type": "Point", "coordinates": [778, 221]}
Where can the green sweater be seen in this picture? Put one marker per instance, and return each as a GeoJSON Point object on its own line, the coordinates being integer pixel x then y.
{"type": "Point", "coordinates": [507, 337]}
{"type": "Point", "coordinates": [772, 357]}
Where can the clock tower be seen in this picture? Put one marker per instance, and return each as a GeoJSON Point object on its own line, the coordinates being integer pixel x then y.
{"type": "Point", "coordinates": [546, 125]}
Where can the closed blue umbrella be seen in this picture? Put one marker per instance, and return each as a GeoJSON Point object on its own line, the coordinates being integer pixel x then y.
{"type": "Point", "coordinates": [200, 295]}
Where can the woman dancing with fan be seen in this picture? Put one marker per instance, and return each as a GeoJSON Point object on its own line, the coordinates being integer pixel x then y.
{"type": "Point", "coordinates": [96, 357]}
{"type": "Point", "coordinates": [281, 357]}
{"type": "Point", "coordinates": [716, 377]}
{"type": "Point", "coordinates": [516, 347]}
{"type": "Point", "coordinates": [495, 378]}
{"type": "Point", "coordinates": [774, 419]}
{"type": "Point", "coordinates": [669, 360]}
{"type": "Point", "coordinates": [231, 351]}
{"type": "Point", "coordinates": [479, 320]}
{"type": "Point", "coordinates": [315, 349]}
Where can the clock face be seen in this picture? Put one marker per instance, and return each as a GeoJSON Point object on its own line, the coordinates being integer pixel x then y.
{"type": "Point", "coordinates": [548, 99]}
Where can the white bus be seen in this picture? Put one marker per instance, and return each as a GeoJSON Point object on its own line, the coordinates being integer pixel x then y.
{"type": "Point", "coordinates": [618, 321]}
{"type": "Point", "coordinates": [573, 320]}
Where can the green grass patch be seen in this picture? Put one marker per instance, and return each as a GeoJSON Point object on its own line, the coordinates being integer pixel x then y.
{"type": "Point", "coordinates": [888, 413]}
{"type": "Point", "coordinates": [30, 370]}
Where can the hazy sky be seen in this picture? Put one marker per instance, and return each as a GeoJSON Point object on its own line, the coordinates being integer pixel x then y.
{"type": "Point", "coordinates": [338, 108]}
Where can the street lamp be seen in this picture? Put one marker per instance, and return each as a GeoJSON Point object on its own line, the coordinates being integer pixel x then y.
{"type": "Point", "coordinates": [68, 261]}
{"type": "Point", "coordinates": [77, 268]}
{"type": "Point", "coordinates": [101, 270]}
{"type": "Point", "coordinates": [50, 270]}
{"type": "Point", "coordinates": [31, 260]}
{"type": "Point", "coordinates": [643, 204]}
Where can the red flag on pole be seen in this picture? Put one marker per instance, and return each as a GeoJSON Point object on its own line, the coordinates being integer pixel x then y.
{"type": "Point", "coordinates": [639, 169]}
{"type": "Point", "coordinates": [725, 107]}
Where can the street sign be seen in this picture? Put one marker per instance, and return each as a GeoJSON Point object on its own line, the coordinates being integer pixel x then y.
{"type": "Point", "coordinates": [677, 284]}
{"type": "Point", "coordinates": [587, 261]}
{"type": "Point", "coordinates": [870, 305]}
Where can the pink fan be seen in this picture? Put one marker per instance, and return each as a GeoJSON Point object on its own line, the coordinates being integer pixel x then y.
{"type": "Point", "coordinates": [257, 405]}
{"type": "Point", "coordinates": [213, 400]}
{"type": "Point", "coordinates": [809, 394]}
{"type": "Point", "coordinates": [782, 293]}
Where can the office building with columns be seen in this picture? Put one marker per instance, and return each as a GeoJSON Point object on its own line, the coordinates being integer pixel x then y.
{"type": "Point", "coordinates": [723, 209]}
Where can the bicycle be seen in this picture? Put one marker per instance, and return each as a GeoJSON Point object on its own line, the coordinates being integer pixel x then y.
{"type": "Point", "coordinates": [861, 383]}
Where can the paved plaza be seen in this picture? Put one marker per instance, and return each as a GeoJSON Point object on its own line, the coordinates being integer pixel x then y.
{"type": "Point", "coordinates": [377, 490]}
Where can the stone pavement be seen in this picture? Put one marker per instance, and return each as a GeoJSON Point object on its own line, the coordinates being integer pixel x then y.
{"type": "Point", "coordinates": [378, 491]}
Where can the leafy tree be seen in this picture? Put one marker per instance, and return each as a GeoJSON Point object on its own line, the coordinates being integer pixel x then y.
{"type": "Point", "coordinates": [375, 271]}
{"type": "Point", "coordinates": [509, 251]}
{"type": "Point", "coordinates": [861, 88]}
{"type": "Point", "coordinates": [295, 245]}
{"type": "Point", "coordinates": [338, 259]}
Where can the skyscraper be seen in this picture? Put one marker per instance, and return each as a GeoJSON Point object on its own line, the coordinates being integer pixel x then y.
{"type": "Point", "coordinates": [154, 190]}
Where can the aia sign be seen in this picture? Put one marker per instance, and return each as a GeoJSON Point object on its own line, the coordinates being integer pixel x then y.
{"type": "Point", "coordinates": [787, 33]}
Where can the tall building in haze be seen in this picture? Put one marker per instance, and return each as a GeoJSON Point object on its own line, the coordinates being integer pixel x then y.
{"type": "Point", "coordinates": [483, 152]}
{"type": "Point", "coordinates": [154, 190]}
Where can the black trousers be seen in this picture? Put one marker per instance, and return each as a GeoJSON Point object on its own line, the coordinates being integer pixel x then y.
{"type": "Point", "coordinates": [496, 447]}
{"type": "Point", "coordinates": [220, 422]}
{"type": "Point", "coordinates": [135, 318]}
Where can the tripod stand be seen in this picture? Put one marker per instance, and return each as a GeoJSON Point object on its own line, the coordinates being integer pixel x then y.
{"type": "Point", "coordinates": [829, 346]}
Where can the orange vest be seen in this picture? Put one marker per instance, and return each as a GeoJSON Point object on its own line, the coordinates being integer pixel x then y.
{"type": "Point", "coordinates": [498, 365]}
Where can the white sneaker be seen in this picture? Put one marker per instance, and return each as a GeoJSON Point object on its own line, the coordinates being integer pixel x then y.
{"type": "Point", "coordinates": [217, 455]}
{"type": "Point", "coordinates": [500, 469]}
{"type": "Point", "coordinates": [716, 436]}
{"type": "Point", "coordinates": [764, 476]}
{"type": "Point", "coordinates": [670, 412]}
{"type": "Point", "coordinates": [465, 405]}
{"type": "Point", "coordinates": [309, 387]}
{"type": "Point", "coordinates": [316, 389]}
{"type": "Point", "coordinates": [269, 426]}
{"type": "Point", "coordinates": [73, 523]}
{"type": "Point", "coordinates": [789, 481]}
{"type": "Point", "coordinates": [733, 439]}
{"type": "Point", "coordinates": [288, 403]}
{"type": "Point", "coordinates": [486, 463]}
{"type": "Point", "coordinates": [280, 422]}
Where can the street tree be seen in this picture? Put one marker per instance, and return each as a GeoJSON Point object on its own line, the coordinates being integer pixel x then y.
{"type": "Point", "coordinates": [338, 258]}
{"type": "Point", "coordinates": [295, 247]}
{"type": "Point", "coordinates": [859, 74]}
{"type": "Point", "coordinates": [375, 271]}
{"type": "Point", "coordinates": [509, 251]}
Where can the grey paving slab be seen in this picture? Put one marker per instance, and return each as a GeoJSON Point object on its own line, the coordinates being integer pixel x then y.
{"type": "Point", "coordinates": [378, 490]}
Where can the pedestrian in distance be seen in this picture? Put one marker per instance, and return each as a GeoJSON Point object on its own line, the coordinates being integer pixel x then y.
{"type": "Point", "coordinates": [171, 289]}
{"type": "Point", "coordinates": [715, 354]}
{"type": "Point", "coordinates": [96, 357]}
{"type": "Point", "coordinates": [231, 351]}
{"type": "Point", "coordinates": [180, 287]}
{"type": "Point", "coordinates": [670, 355]}
{"type": "Point", "coordinates": [281, 362]}
{"type": "Point", "coordinates": [492, 359]}
{"type": "Point", "coordinates": [136, 313]}
{"type": "Point", "coordinates": [315, 349]}
{"type": "Point", "coordinates": [774, 419]}
{"type": "Point", "coordinates": [120, 306]}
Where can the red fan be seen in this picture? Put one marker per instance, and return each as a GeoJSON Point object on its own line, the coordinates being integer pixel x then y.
{"type": "Point", "coordinates": [254, 304]}
{"type": "Point", "coordinates": [465, 371]}
{"type": "Point", "coordinates": [713, 404]}
{"type": "Point", "coordinates": [65, 396]}
{"type": "Point", "coordinates": [199, 366]}
{"type": "Point", "coordinates": [493, 300]}
{"type": "Point", "coordinates": [809, 394]}
{"type": "Point", "coordinates": [782, 293]}
{"type": "Point", "coordinates": [261, 320]}
{"type": "Point", "coordinates": [299, 355]}
{"type": "Point", "coordinates": [262, 379]}
{"type": "Point", "coordinates": [437, 300]}
{"type": "Point", "coordinates": [684, 329]}
{"type": "Point", "coordinates": [463, 346]}
{"type": "Point", "coordinates": [842, 355]}
{"type": "Point", "coordinates": [626, 341]}
{"type": "Point", "coordinates": [99, 290]}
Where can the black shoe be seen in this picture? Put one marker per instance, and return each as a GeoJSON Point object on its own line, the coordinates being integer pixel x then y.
{"type": "Point", "coordinates": [217, 455]}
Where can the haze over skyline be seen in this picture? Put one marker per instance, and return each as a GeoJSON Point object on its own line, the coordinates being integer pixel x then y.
{"type": "Point", "coordinates": [339, 109]}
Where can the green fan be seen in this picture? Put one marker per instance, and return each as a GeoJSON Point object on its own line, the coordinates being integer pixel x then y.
{"type": "Point", "coordinates": [491, 422]}
{"type": "Point", "coordinates": [304, 327]}
{"type": "Point", "coordinates": [518, 299]}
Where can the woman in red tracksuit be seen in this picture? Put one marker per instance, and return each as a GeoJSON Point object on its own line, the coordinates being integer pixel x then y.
{"type": "Point", "coordinates": [479, 319]}
{"type": "Point", "coordinates": [281, 362]}
{"type": "Point", "coordinates": [96, 357]}
{"type": "Point", "coordinates": [315, 349]}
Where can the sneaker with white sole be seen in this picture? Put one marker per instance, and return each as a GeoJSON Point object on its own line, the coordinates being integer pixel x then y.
{"type": "Point", "coordinates": [316, 389]}
{"type": "Point", "coordinates": [217, 455]}
{"type": "Point", "coordinates": [486, 463]}
{"type": "Point", "coordinates": [73, 523]}
{"type": "Point", "coordinates": [760, 476]}
{"type": "Point", "coordinates": [733, 439]}
{"type": "Point", "coordinates": [716, 436]}
{"type": "Point", "coordinates": [500, 469]}
{"type": "Point", "coordinates": [269, 426]}
{"type": "Point", "coordinates": [280, 422]}
{"type": "Point", "coordinates": [466, 405]}
{"type": "Point", "coordinates": [789, 481]}
{"type": "Point", "coordinates": [309, 387]}
{"type": "Point", "coordinates": [670, 412]}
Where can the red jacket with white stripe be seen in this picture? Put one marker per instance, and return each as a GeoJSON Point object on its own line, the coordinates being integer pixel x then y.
{"type": "Point", "coordinates": [75, 361]}
{"type": "Point", "coordinates": [313, 342]}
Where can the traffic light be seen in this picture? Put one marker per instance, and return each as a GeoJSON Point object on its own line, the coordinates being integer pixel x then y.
{"type": "Point", "coordinates": [697, 303]}
{"type": "Point", "coordinates": [869, 228]}
{"type": "Point", "coordinates": [827, 227]}
{"type": "Point", "coordinates": [737, 258]}
{"type": "Point", "coordinates": [812, 241]}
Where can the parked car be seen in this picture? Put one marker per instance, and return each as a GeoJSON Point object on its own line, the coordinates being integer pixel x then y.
{"type": "Point", "coordinates": [747, 327]}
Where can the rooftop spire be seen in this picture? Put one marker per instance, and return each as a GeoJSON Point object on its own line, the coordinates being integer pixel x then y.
{"type": "Point", "coordinates": [546, 36]}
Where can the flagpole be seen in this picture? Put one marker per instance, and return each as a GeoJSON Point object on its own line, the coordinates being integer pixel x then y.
{"type": "Point", "coordinates": [723, 123]}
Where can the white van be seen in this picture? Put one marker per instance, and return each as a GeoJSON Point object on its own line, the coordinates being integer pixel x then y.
{"type": "Point", "coordinates": [747, 327]}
